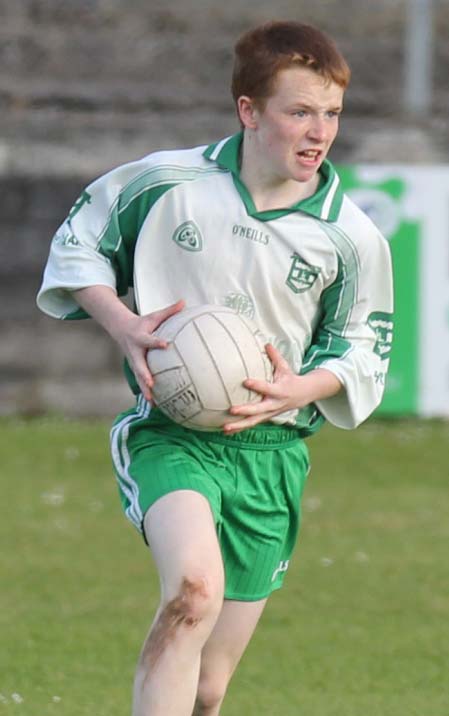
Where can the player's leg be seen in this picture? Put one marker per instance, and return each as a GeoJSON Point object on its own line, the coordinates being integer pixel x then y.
{"type": "Point", "coordinates": [259, 523]}
{"type": "Point", "coordinates": [223, 651]}
{"type": "Point", "coordinates": [180, 531]}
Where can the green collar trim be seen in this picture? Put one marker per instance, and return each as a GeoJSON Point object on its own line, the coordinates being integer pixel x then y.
{"type": "Point", "coordinates": [325, 204]}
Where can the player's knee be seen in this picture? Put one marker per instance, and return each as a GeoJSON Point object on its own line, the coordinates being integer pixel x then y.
{"type": "Point", "coordinates": [191, 613]}
{"type": "Point", "coordinates": [199, 598]}
{"type": "Point", "coordinates": [211, 692]}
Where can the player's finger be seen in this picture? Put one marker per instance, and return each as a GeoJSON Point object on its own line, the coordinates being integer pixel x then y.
{"type": "Point", "coordinates": [159, 317]}
{"type": "Point", "coordinates": [145, 389]}
{"type": "Point", "coordinates": [276, 357]}
{"type": "Point", "coordinates": [272, 390]}
{"type": "Point", "coordinates": [260, 408]}
{"type": "Point", "coordinates": [152, 343]}
{"type": "Point", "coordinates": [258, 386]}
{"type": "Point", "coordinates": [245, 423]}
{"type": "Point", "coordinates": [143, 376]}
{"type": "Point", "coordinates": [237, 426]}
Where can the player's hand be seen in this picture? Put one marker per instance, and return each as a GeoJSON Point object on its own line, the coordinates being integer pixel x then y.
{"type": "Point", "coordinates": [288, 391]}
{"type": "Point", "coordinates": [276, 396]}
{"type": "Point", "coordinates": [136, 337]}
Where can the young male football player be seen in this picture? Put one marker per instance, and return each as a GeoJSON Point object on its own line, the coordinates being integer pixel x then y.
{"type": "Point", "coordinates": [257, 221]}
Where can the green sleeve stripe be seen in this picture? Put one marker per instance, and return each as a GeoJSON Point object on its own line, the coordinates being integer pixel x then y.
{"type": "Point", "coordinates": [344, 240]}
{"type": "Point", "coordinates": [337, 299]}
{"type": "Point", "coordinates": [340, 297]}
{"type": "Point", "coordinates": [119, 240]}
{"type": "Point", "coordinates": [165, 174]}
{"type": "Point", "coordinates": [123, 222]}
{"type": "Point", "coordinates": [148, 187]}
{"type": "Point", "coordinates": [326, 348]}
{"type": "Point", "coordinates": [337, 302]}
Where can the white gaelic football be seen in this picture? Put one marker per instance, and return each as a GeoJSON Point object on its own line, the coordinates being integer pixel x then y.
{"type": "Point", "coordinates": [199, 376]}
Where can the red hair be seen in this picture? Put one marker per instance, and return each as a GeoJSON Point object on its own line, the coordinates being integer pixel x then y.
{"type": "Point", "coordinates": [262, 52]}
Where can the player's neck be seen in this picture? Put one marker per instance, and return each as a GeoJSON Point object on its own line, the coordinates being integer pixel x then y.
{"type": "Point", "coordinates": [268, 190]}
{"type": "Point", "coordinates": [269, 196]}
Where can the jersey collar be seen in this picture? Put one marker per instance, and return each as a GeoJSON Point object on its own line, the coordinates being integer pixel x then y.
{"type": "Point", "coordinates": [325, 204]}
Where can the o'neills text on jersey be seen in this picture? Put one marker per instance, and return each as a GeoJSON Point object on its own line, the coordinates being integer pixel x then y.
{"type": "Point", "coordinates": [246, 232]}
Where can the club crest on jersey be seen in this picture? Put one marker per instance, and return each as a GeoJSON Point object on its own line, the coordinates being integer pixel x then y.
{"type": "Point", "coordinates": [382, 325]}
{"type": "Point", "coordinates": [302, 275]}
{"type": "Point", "coordinates": [188, 236]}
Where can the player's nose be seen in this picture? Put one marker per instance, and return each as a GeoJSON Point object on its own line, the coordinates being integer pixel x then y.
{"type": "Point", "coordinates": [317, 129]}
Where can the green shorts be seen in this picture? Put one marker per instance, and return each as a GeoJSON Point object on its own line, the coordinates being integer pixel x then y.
{"type": "Point", "coordinates": [253, 481]}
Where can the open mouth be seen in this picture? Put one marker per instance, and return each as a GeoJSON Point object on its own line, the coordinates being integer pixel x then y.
{"type": "Point", "coordinates": [311, 155]}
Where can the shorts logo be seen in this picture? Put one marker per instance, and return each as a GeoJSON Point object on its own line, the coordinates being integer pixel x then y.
{"type": "Point", "coordinates": [302, 275]}
{"type": "Point", "coordinates": [283, 566]}
{"type": "Point", "coordinates": [382, 325]}
{"type": "Point", "coordinates": [188, 236]}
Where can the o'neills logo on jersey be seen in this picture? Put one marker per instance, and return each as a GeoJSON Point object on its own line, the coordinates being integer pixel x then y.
{"type": "Point", "coordinates": [188, 236]}
{"type": "Point", "coordinates": [382, 325]}
{"type": "Point", "coordinates": [246, 232]}
{"type": "Point", "coordinates": [302, 275]}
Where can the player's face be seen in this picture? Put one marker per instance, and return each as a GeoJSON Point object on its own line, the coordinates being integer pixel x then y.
{"type": "Point", "coordinates": [298, 124]}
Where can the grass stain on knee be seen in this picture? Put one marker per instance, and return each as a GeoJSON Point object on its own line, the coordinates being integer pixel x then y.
{"type": "Point", "coordinates": [177, 613]}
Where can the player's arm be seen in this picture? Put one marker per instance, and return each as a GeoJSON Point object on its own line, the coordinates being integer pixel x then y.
{"type": "Point", "coordinates": [133, 333]}
{"type": "Point", "coordinates": [355, 343]}
{"type": "Point", "coordinates": [350, 348]}
{"type": "Point", "coordinates": [95, 244]}
{"type": "Point", "coordinates": [288, 391]}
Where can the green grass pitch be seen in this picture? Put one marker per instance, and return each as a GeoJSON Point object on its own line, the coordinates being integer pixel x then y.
{"type": "Point", "coordinates": [361, 627]}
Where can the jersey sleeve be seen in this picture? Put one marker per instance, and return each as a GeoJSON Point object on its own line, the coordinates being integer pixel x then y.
{"type": "Point", "coordinates": [354, 335]}
{"type": "Point", "coordinates": [89, 247]}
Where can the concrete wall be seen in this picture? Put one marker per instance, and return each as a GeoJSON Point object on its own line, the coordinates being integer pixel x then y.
{"type": "Point", "coordinates": [85, 86]}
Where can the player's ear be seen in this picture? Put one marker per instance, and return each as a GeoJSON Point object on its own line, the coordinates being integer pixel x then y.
{"type": "Point", "coordinates": [247, 111]}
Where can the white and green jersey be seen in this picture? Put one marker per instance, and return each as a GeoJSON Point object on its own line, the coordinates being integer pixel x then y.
{"type": "Point", "coordinates": [315, 277]}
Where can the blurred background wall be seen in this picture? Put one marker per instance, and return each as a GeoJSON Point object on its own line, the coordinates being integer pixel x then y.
{"type": "Point", "coordinates": [90, 84]}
